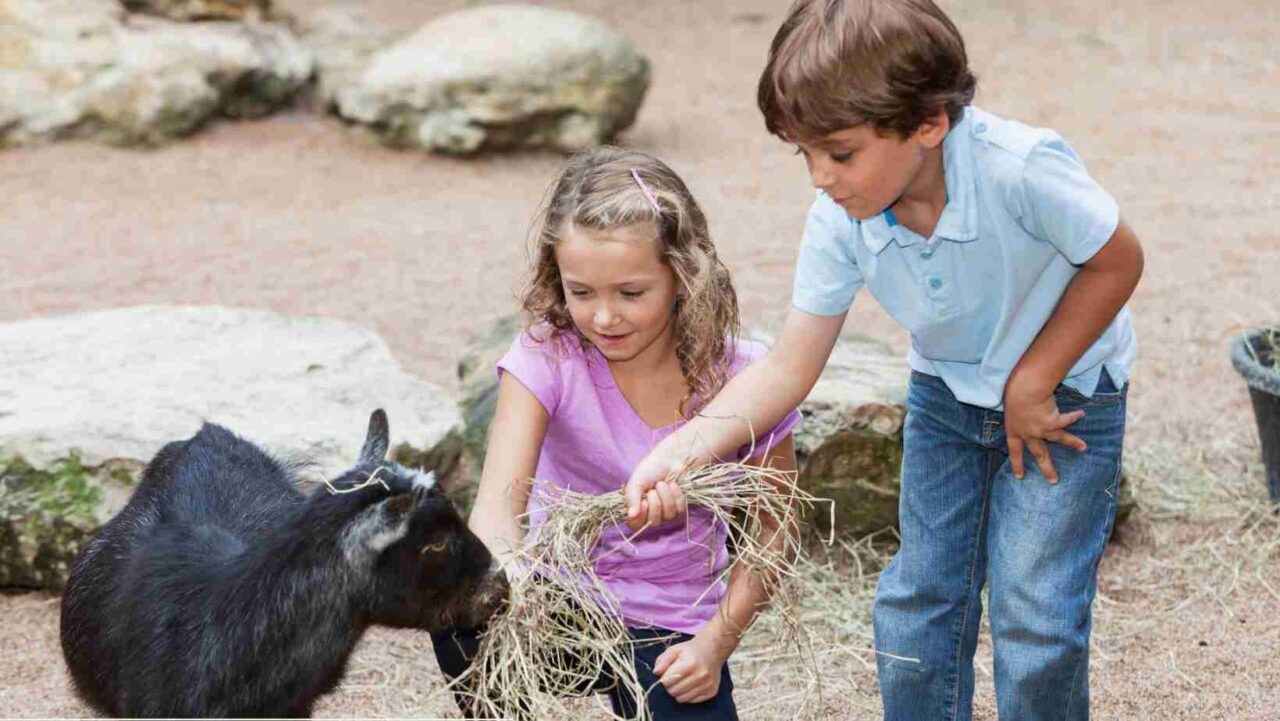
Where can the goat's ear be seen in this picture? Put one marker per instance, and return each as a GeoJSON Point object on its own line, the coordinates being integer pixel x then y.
{"type": "Point", "coordinates": [377, 440]}
{"type": "Point", "coordinates": [377, 527]}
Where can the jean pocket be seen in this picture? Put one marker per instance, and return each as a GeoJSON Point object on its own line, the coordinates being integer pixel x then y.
{"type": "Point", "coordinates": [1106, 394]}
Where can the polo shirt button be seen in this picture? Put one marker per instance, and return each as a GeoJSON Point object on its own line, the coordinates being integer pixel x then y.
{"type": "Point", "coordinates": [935, 283]}
{"type": "Point", "coordinates": [980, 127]}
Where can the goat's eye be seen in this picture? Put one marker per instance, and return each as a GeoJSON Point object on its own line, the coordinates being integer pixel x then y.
{"type": "Point", "coordinates": [433, 548]}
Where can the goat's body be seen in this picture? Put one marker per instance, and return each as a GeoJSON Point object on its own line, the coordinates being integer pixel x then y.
{"type": "Point", "coordinates": [193, 602]}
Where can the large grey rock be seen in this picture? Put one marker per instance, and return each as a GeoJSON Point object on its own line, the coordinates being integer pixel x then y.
{"type": "Point", "coordinates": [849, 446]}
{"type": "Point", "coordinates": [188, 10]}
{"type": "Point", "coordinates": [500, 77]}
{"type": "Point", "coordinates": [84, 68]}
{"type": "Point", "coordinates": [87, 399]}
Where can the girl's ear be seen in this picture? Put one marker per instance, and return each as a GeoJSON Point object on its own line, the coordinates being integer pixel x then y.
{"type": "Point", "coordinates": [682, 291]}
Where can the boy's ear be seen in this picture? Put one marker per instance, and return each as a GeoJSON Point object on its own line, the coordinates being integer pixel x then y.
{"type": "Point", "coordinates": [933, 130]}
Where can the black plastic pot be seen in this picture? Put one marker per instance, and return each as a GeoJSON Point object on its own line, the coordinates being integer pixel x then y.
{"type": "Point", "coordinates": [1259, 372]}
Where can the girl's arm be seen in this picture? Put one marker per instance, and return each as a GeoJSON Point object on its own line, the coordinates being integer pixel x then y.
{"type": "Point", "coordinates": [690, 671]}
{"type": "Point", "coordinates": [758, 397]}
{"type": "Point", "coordinates": [515, 439]}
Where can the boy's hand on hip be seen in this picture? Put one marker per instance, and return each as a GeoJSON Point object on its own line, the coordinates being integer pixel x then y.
{"type": "Point", "coordinates": [652, 499]}
{"type": "Point", "coordinates": [690, 671]}
{"type": "Point", "coordinates": [1031, 421]}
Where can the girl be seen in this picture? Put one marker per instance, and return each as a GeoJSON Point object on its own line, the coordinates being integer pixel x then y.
{"type": "Point", "coordinates": [634, 328]}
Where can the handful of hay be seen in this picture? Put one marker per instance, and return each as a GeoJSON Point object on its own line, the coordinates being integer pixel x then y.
{"type": "Point", "coordinates": [562, 631]}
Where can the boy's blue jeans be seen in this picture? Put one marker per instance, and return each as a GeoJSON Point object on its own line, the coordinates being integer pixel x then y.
{"type": "Point", "coordinates": [965, 520]}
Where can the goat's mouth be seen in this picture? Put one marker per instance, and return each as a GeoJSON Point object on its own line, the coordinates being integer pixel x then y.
{"type": "Point", "coordinates": [492, 595]}
{"type": "Point", "coordinates": [473, 605]}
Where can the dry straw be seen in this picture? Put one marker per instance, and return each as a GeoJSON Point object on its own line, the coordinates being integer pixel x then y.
{"type": "Point", "coordinates": [369, 481]}
{"type": "Point", "coordinates": [562, 630]}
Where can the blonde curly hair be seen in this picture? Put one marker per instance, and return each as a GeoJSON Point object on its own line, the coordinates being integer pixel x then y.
{"type": "Point", "coordinates": [596, 190]}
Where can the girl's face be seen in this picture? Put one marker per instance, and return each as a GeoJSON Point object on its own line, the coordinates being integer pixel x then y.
{"type": "Point", "coordinates": [620, 293]}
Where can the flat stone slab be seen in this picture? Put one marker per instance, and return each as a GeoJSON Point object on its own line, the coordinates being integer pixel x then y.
{"type": "Point", "coordinates": [121, 383]}
{"type": "Point", "coordinates": [87, 399]}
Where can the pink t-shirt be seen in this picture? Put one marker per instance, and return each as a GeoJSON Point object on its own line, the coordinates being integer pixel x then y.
{"type": "Point", "coordinates": [594, 439]}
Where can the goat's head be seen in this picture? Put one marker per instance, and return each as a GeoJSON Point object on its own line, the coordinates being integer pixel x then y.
{"type": "Point", "coordinates": [424, 567]}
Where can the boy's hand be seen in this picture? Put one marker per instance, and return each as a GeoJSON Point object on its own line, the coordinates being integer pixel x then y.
{"type": "Point", "coordinates": [651, 499]}
{"type": "Point", "coordinates": [1030, 420]}
{"type": "Point", "coordinates": [690, 671]}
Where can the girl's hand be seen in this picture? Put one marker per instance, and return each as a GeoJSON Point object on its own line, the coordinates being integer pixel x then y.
{"type": "Point", "coordinates": [690, 671]}
{"type": "Point", "coordinates": [1030, 420]}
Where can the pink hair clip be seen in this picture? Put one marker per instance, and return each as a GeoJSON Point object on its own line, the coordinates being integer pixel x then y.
{"type": "Point", "coordinates": [645, 189]}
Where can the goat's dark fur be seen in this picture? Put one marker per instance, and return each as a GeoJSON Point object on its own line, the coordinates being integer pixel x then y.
{"type": "Point", "coordinates": [221, 590]}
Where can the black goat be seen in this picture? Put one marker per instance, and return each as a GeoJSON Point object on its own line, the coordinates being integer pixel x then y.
{"type": "Point", "coordinates": [220, 590]}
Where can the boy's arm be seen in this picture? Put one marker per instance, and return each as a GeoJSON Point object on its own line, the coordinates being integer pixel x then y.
{"type": "Point", "coordinates": [753, 401]}
{"type": "Point", "coordinates": [1092, 299]}
{"type": "Point", "coordinates": [515, 438]}
{"type": "Point", "coordinates": [690, 671]}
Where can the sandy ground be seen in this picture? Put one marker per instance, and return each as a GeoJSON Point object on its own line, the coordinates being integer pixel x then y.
{"type": "Point", "coordinates": [1173, 105]}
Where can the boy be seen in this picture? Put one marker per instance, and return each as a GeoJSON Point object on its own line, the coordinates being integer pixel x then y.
{"type": "Point", "coordinates": [1009, 265]}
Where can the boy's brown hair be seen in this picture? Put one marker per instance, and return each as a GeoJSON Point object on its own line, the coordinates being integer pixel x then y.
{"type": "Point", "coordinates": [835, 64]}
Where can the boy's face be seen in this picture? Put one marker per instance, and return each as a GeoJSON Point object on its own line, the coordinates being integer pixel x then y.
{"type": "Point", "coordinates": [865, 172]}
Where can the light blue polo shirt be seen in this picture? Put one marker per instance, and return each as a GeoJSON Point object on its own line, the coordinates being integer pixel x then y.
{"type": "Point", "coordinates": [1022, 214]}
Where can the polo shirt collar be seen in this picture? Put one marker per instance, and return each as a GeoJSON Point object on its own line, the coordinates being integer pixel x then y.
{"type": "Point", "coordinates": [959, 219]}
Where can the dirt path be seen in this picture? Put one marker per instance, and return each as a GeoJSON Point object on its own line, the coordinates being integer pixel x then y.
{"type": "Point", "coordinates": [1173, 106]}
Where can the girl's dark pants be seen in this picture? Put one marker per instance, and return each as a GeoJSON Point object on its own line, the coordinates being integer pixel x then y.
{"type": "Point", "coordinates": [457, 646]}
